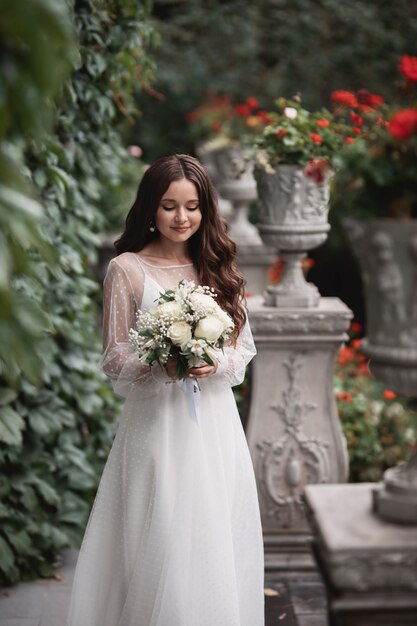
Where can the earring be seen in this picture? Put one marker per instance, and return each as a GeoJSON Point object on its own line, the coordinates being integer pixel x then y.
{"type": "Point", "coordinates": [152, 227]}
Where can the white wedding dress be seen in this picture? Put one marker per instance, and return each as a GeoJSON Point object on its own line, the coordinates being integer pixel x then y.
{"type": "Point", "coordinates": [174, 537]}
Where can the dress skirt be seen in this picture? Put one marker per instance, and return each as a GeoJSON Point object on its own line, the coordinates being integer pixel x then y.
{"type": "Point", "coordinates": [174, 537]}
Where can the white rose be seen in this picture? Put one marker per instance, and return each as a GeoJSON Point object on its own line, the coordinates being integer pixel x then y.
{"type": "Point", "coordinates": [225, 319]}
{"type": "Point", "coordinates": [290, 112]}
{"type": "Point", "coordinates": [203, 299]}
{"type": "Point", "coordinates": [179, 333]}
{"type": "Point", "coordinates": [210, 328]}
{"type": "Point", "coordinates": [172, 309]}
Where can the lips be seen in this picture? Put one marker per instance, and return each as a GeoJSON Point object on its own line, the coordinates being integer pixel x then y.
{"type": "Point", "coordinates": [181, 229]}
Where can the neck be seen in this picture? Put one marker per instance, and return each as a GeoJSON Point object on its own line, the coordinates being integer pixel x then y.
{"type": "Point", "coordinates": [168, 250]}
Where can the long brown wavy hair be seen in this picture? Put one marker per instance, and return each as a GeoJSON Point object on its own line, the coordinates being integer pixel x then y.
{"type": "Point", "coordinates": [212, 251]}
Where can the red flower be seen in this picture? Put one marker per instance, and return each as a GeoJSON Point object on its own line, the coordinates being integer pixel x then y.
{"type": "Point", "coordinates": [356, 343]}
{"type": "Point", "coordinates": [355, 327]}
{"type": "Point", "coordinates": [252, 103]}
{"type": "Point", "coordinates": [263, 115]}
{"type": "Point", "coordinates": [276, 271]}
{"type": "Point", "coordinates": [281, 133]}
{"type": "Point", "coordinates": [307, 264]}
{"type": "Point", "coordinates": [364, 369]}
{"type": "Point", "coordinates": [364, 108]}
{"type": "Point", "coordinates": [345, 355]}
{"type": "Point", "coordinates": [389, 395]}
{"type": "Point", "coordinates": [343, 395]}
{"type": "Point", "coordinates": [345, 98]}
{"type": "Point", "coordinates": [315, 169]}
{"type": "Point", "coordinates": [404, 124]}
{"type": "Point", "coordinates": [382, 122]}
{"type": "Point", "coordinates": [375, 100]}
{"type": "Point", "coordinates": [349, 139]}
{"type": "Point", "coordinates": [323, 123]}
{"type": "Point", "coordinates": [369, 99]}
{"type": "Point", "coordinates": [356, 119]}
{"type": "Point", "coordinates": [356, 130]}
{"type": "Point", "coordinates": [243, 110]}
{"type": "Point", "coordinates": [316, 138]}
{"type": "Point", "coordinates": [408, 68]}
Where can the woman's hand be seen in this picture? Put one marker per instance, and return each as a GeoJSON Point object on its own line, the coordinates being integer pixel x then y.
{"type": "Point", "coordinates": [202, 372]}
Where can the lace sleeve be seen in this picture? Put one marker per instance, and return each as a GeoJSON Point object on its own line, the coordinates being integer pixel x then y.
{"type": "Point", "coordinates": [234, 359]}
{"type": "Point", "coordinates": [120, 361]}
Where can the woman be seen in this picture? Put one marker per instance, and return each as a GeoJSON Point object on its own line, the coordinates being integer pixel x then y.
{"type": "Point", "coordinates": [174, 537]}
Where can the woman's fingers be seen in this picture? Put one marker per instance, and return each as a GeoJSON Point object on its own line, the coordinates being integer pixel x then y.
{"type": "Point", "coordinates": [201, 372]}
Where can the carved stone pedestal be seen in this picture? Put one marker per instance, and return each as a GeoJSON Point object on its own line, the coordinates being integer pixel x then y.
{"type": "Point", "coordinates": [254, 262]}
{"type": "Point", "coordinates": [369, 565]}
{"type": "Point", "coordinates": [293, 429]}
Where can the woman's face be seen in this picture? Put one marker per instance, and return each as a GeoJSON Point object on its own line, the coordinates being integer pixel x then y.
{"type": "Point", "coordinates": [178, 215]}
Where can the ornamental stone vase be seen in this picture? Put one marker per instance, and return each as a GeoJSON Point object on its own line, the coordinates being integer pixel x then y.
{"type": "Point", "coordinates": [205, 154]}
{"type": "Point", "coordinates": [292, 217]}
{"type": "Point", "coordinates": [236, 183]}
{"type": "Point", "coordinates": [386, 250]}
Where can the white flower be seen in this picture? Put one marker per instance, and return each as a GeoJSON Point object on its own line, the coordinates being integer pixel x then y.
{"type": "Point", "coordinates": [179, 333]}
{"type": "Point", "coordinates": [172, 309]}
{"type": "Point", "coordinates": [225, 319]}
{"type": "Point", "coordinates": [204, 300]}
{"type": "Point", "coordinates": [212, 355]}
{"type": "Point", "coordinates": [290, 112]}
{"type": "Point", "coordinates": [196, 349]}
{"type": "Point", "coordinates": [209, 328]}
{"type": "Point", "coordinates": [395, 410]}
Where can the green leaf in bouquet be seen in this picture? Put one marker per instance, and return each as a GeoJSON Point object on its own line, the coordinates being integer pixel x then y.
{"type": "Point", "coordinates": [168, 296]}
{"type": "Point", "coordinates": [208, 359]}
{"type": "Point", "coordinates": [146, 332]}
{"type": "Point", "coordinates": [181, 367]}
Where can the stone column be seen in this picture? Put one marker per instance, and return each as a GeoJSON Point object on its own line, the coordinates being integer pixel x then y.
{"type": "Point", "coordinates": [293, 429]}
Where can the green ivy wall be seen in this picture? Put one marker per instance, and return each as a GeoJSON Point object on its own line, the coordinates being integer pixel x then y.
{"type": "Point", "coordinates": [72, 70]}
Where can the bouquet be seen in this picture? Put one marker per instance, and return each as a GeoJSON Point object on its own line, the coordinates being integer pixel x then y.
{"type": "Point", "coordinates": [186, 323]}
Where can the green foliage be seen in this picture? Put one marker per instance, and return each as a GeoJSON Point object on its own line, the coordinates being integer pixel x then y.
{"type": "Point", "coordinates": [29, 85]}
{"type": "Point", "coordinates": [268, 49]}
{"type": "Point", "coordinates": [379, 426]}
{"type": "Point", "coordinates": [56, 410]}
{"type": "Point", "coordinates": [295, 136]}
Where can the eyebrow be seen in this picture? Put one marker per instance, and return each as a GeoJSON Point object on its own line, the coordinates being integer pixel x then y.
{"type": "Point", "coordinates": [172, 200]}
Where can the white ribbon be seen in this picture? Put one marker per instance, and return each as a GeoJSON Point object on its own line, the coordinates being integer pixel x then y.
{"type": "Point", "coordinates": [190, 387]}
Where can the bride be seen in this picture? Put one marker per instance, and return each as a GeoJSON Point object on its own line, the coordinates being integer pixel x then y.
{"type": "Point", "coordinates": [174, 537]}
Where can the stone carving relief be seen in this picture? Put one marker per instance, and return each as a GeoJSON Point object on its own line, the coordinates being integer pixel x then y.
{"type": "Point", "coordinates": [390, 289]}
{"type": "Point", "coordinates": [388, 259]}
{"type": "Point", "coordinates": [293, 460]}
{"type": "Point", "coordinates": [387, 254]}
{"type": "Point", "coordinates": [287, 196]}
{"type": "Point", "coordinates": [317, 200]}
{"type": "Point", "coordinates": [290, 185]}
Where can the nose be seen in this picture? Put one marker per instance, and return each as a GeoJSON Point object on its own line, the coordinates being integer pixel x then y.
{"type": "Point", "coordinates": [181, 216]}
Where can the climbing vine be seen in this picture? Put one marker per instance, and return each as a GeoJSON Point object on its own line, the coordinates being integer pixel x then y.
{"type": "Point", "coordinates": [66, 155]}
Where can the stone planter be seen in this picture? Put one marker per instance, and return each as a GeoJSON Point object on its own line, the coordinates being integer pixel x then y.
{"type": "Point", "coordinates": [236, 183]}
{"type": "Point", "coordinates": [292, 217]}
{"type": "Point", "coordinates": [205, 154]}
{"type": "Point", "coordinates": [387, 253]}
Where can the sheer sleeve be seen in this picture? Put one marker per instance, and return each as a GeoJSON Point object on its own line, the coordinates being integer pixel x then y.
{"type": "Point", "coordinates": [234, 359]}
{"type": "Point", "coordinates": [121, 294]}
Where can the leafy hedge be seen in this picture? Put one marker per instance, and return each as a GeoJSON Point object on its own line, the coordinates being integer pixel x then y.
{"type": "Point", "coordinates": [56, 409]}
